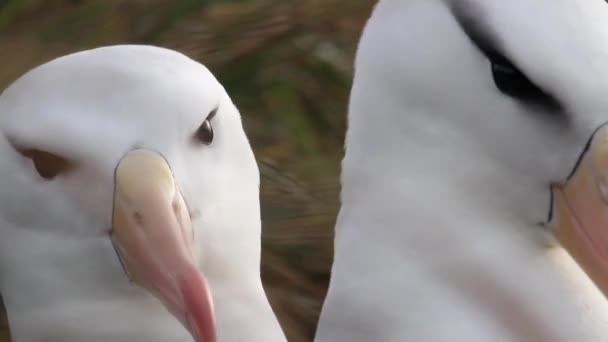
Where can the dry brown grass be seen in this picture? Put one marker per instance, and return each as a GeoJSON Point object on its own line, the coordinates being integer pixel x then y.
{"type": "Point", "coordinates": [287, 65]}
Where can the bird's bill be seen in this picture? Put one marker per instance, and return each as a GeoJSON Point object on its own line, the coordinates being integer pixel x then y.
{"type": "Point", "coordinates": [579, 217]}
{"type": "Point", "coordinates": [153, 237]}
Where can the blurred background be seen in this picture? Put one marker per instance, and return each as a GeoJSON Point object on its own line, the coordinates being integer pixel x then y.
{"type": "Point", "coordinates": [287, 64]}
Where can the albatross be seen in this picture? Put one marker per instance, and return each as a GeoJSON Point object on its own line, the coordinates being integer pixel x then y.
{"type": "Point", "coordinates": [129, 208]}
{"type": "Point", "coordinates": [474, 182]}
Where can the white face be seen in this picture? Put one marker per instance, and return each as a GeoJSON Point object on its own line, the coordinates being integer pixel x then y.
{"type": "Point", "coordinates": [93, 107]}
{"type": "Point", "coordinates": [90, 109]}
{"type": "Point", "coordinates": [560, 47]}
{"type": "Point", "coordinates": [433, 62]}
{"type": "Point", "coordinates": [499, 97]}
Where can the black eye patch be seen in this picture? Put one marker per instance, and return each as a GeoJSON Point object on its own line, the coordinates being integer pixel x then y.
{"type": "Point", "coordinates": [508, 78]}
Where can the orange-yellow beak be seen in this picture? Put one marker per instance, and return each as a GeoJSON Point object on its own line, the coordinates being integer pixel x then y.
{"type": "Point", "coordinates": [152, 234]}
{"type": "Point", "coordinates": [580, 210]}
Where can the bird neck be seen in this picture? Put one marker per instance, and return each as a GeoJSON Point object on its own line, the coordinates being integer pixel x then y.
{"type": "Point", "coordinates": [65, 288]}
{"type": "Point", "coordinates": [457, 248]}
{"type": "Point", "coordinates": [69, 291]}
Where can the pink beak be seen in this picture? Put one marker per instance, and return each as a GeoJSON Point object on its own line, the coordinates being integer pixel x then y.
{"type": "Point", "coordinates": [152, 233]}
{"type": "Point", "coordinates": [580, 210]}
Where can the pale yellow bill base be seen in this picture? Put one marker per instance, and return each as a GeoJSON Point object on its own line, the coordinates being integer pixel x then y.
{"type": "Point", "coordinates": [579, 217]}
{"type": "Point", "coordinates": [152, 233]}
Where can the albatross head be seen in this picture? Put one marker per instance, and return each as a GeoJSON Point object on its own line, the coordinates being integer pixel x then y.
{"type": "Point", "coordinates": [127, 181]}
{"type": "Point", "coordinates": [475, 128]}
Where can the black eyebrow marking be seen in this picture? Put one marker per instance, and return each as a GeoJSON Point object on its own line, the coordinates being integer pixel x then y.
{"type": "Point", "coordinates": [212, 114]}
{"type": "Point", "coordinates": [470, 19]}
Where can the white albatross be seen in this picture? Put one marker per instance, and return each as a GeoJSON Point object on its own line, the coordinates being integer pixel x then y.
{"type": "Point", "coordinates": [129, 204]}
{"type": "Point", "coordinates": [462, 180]}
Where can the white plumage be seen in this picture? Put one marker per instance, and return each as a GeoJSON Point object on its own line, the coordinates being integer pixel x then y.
{"type": "Point", "coordinates": [59, 274]}
{"type": "Point", "coordinates": [446, 178]}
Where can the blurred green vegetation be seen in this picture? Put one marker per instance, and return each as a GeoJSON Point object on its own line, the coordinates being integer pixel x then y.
{"type": "Point", "coordinates": [287, 65]}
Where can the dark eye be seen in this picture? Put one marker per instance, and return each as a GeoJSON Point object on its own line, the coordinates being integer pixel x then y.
{"type": "Point", "coordinates": [48, 165]}
{"type": "Point", "coordinates": [204, 133]}
{"type": "Point", "coordinates": [508, 78]}
{"type": "Point", "coordinates": [512, 82]}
